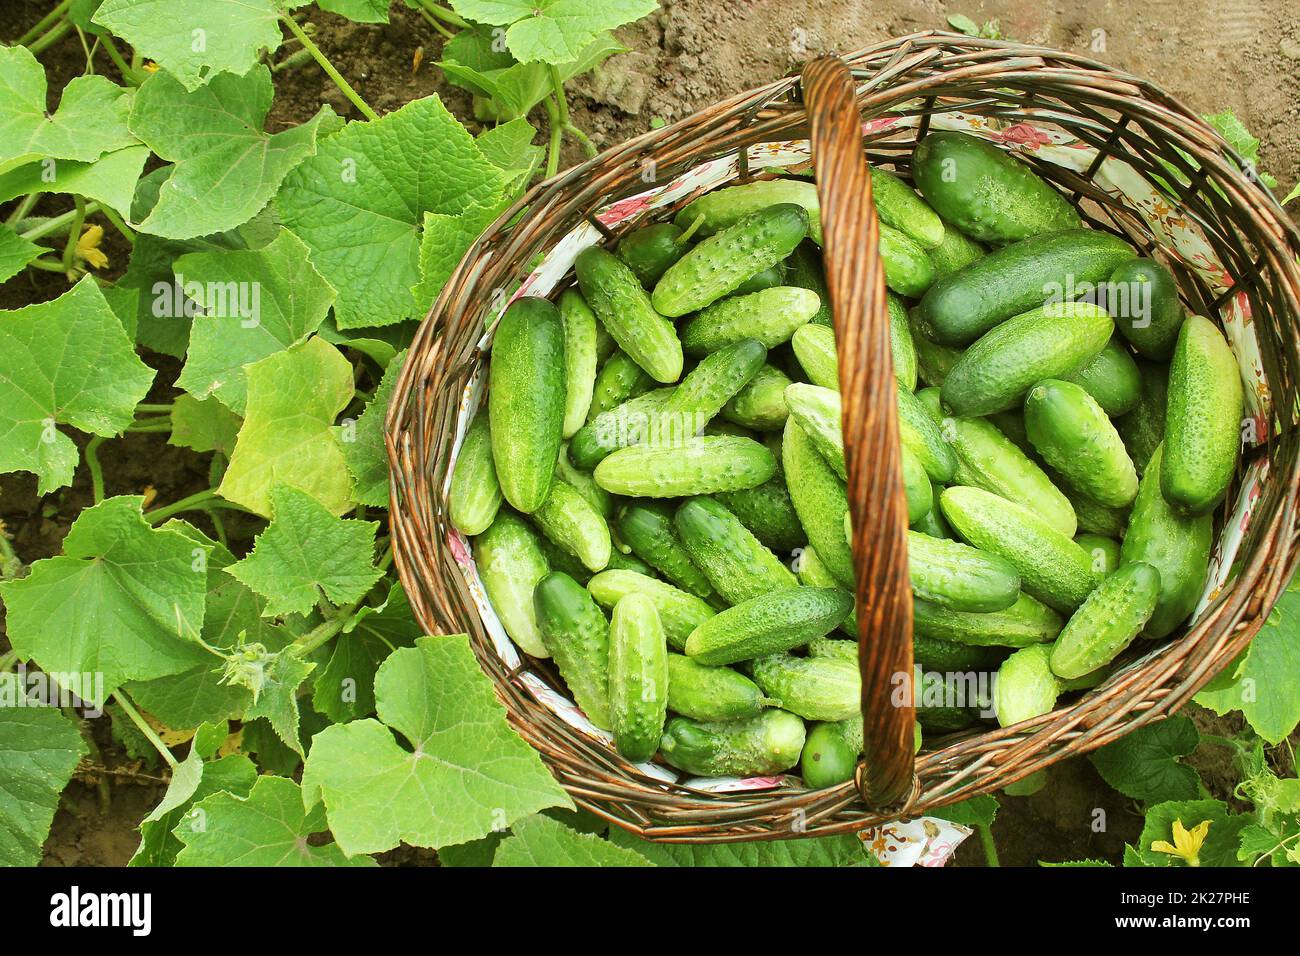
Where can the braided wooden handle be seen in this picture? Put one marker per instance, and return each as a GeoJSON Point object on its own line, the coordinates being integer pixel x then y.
{"type": "Point", "coordinates": [855, 278]}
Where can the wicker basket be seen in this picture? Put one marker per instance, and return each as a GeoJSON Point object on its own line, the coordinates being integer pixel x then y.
{"type": "Point", "coordinates": [1134, 161]}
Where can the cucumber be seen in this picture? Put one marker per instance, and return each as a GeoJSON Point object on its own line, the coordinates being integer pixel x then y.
{"type": "Point", "coordinates": [815, 688]}
{"type": "Point", "coordinates": [711, 693]}
{"type": "Point", "coordinates": [696, 466]}
{"type": "Point", "coordinates": [814, 347]}
{"type": "Point", "coordinates": [1143, 429]}
{"type": "Point", "coordinates": [510, 563]}
{"type": "Point", "coordinates": [570, 520]}
{"type": "Point", "coordinates": [767, 511]}
{"type": "Point", "coordinates": [817, 410]}
{"type": "Point", "coordinates": [679, 612]}
{"type": "Point", "coordinates": [1052, 567]}
{"type": "Point", "coordinates": [708, 387]}
{"type": "Point", "coordinates": [813, 573]}
{"type": "Point", "coordinates": [1072, 434]}
{"type": "Point", "coordinates": [762, 279]}
{"type": "Point", "coordinates": [897, 206]}
{"type": "Point", "coordinates": [803, 268]}
{"type": "Point", "coordinates": [1025, 686]}
{"type": "Point", "coordinates": [961, 307]}
{"type": "Point", "coordinates": [833, 648]}
{"type": "Point", "coordinates": [901, 347]}
{"type": "Point", "coordinates": [727, 206]}
{"type": "Point", "coordinates": [908, 270]}
{"type": "Point", "coordinates": [958, 577]}
{"type": "Point", "coordinates": [731, 558]}
{"type": "Point", "coordinates": [1178, 547]}
{"type": "Point", "coordinates": [1011, 423]}
{"type": "Point", "coordinates": [606, 346]}
{"type": "Point", "coordinates": [1107, 622]}
{"type": "Point", "coordinates": [526, 400]}
{"type": "Point", "coordinates": [1094, 517]}
{"type": "Point", "coordinates": [618, 561]}
{"type": "Point", "coordinates": [753, 746]}
{"type": "Point", "coordinates": [584, 484]}
{"type": "Point", "coordinates": [624, 309]}
{"type": "Point", "coordinates": [935, 654]}
{"type": "Point", "coordinates": [628, 424]}
{"type": "Point", "coordinates": [1104, 551]}
{"type": "Point", "coordinates": [1143, 297]}
{"type": "Point", "coordinates": [1112, 378]}
{"type": "Point", "coordinates": [954, 252]}
{"type": "Point", "coordinates": [760, 405]}
{"type": "Point", "coordinates": [475, 493]}
{"type": "Point", "coordinates": [649, 251]}
{"type": "Point", "coordinates": [638, 677]}
{"type": "Point", "coordinates": [919, 433]}
{"type": "Point", "coordinates": [820, 501]}
{"type": "Point", "coordinates": [619, 380]}
{"type": "Point", "coordinates": [996, 372]}
{"type": "Point", "coordinates": [771, 316]}
{"type": "Point", "coordinates": [579, 359]}
{"type": "Point", "coordinates": [917, 487]}
{"type": "Point", "coordinates": [1203, 419]}
{"type": "Point", "coordinates": [1026, 622]}
{"type": "Point", "coordinates": [933, 361]}
{"type": "Point", "coordinates": [932, 522]}
{"type": "Point", "coordinates": [987, 459]}
{"type": "Point", "coordinates": [560, 560]}
{"type": "Point", "coordinates": [772, 622]}
{"type": "Point", "coordinates": [577, 635]}
{"type": "Point", "coordinates": [828, 758]}
{"type": "Point", "coordinates": [984, 192]}
{"type": "Point", "coordinates": [943, 719]}
{"type": "Point", "coordinates": [647, 528]}
{"type": "Point", "coordinates": [718, 264]}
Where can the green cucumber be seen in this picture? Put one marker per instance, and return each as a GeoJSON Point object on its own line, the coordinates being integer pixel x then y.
{"type": "Point", "coordinates": [727, 206]}
{"type": "Point", "coordinates": [943, 718]}
{"type": "Point", "coordinates": [901, 347]}
{"type": "Point", "coordinates": [1025, 686]}
{"type": "Point", "coordinates": [579, 359]}
{"type": "Point", "coordinates": [510, 563]}
{"type": "Point", "coordinates": [817, 410]}
{"type": "Point", "coordinates": [996, 372]}
{"type": "Point", "coordinates": [920, 434]}
{"type": "Point", "coordinates": [1026, 622]}
{"type": "Point", "coordinates": [1072, 434]}
{"type": "Point", "coordinates": [1052, 567]}
{"type": "Point", "coordinates": [770, 315]}
{"type": "Point", "coordinates": [624, 309]}
{"type": "Point", "coordinates": [984, 192]}
{"type": "Point", "coordinates": [1105, 552]}
{"type": "Point", "coordinates": [933, 361]}
{"type": "Point", "coordinates": [708, 387]}
{"type": "Point", "coordinates": [917, 487]}
{"type": "Point", "coordinates": [814, 574]}
{"type": "Point", "coordinates": [711, 693]}
{"type": "Point", "coordinates": [1143, 429]}
{"type": "Point", "coordinates": [753, 746]}
{"type": "Point", "coordinates": [731, 558]}
{"type": "Point", "coordinates": [769, 623]}
{"type": "Point", "coordinates": [932, 522]}
{"type": "Point", "coordinates": [936, 654]}
{"type": "Point", "coordinates": [833, 648]}
{"type": "Point", "coordinates": [1143, 297]}
{"type": "Point", "coordinates": [955, 252]}
{"type": "Point", "coordinates": [526, 400]}
{"type": "Point", "coordinates": [1011, 423]}
{"type": "Point", "coordinates": [762, 279]}
{"type": "Point", "coordinates": [576, 633]}
{"type": "Point", "coordinates": [760, 405]}
{"type": "Point", "coordinates": [560, 560]}
{"type": "Point", "coordinates": [815, 688]}
{"type": "Point", "coordinates": [606, 346]}
{"type": "Point", "coordinates": [475, 493]}
{"type": "Point", "coordinates": [814, 347]}
{"type": "Point", "coordinates": [570, 521]}
{"type": "Point", "coordinates": [628, 424]}
{"type": "Point", "coordinates": [1107, 622]}
{"type": "Point", "coordinates": [767, 511]}
{"type": "Point", "coordinates": [679, 612]}
{"type": "Point", "coordinates": [1112, 378]}
{"type": "Point", "coordinates": [720, 263]}
{"type": "Point", "coordinates": [598, 497]}
{"type": "Point", "coordinates": [619, 380]}
{"type": "Point", "coordinates": [1203, 419]}
{"type": "Point", "coordinates": [647, 528]}
{"type": "Point", "coordinates": [696, 466]}
{"type": "Point", "coordinates": [958, 577]}
{"type": "Point", "coordinates": [649, 251]}
{"type": "Point", "coordinates": [803, 268]}
{"type": "Point", "coordinates": [898, 206]}
{"type": "Point", "coordinates": [908, 270]}
{"type": "Point", "coordinates": [1094, 517]}
{"type": "Point", "coordinates": [961, 307]}
{"type": "Point", "coordinates": [638, 677]}
{"type": "Point", "coordinates": [820, 500]}
{"type": "Point", "coordinates": [1175, 545]}
{"type": "Point", "coordinates": [828, 757]}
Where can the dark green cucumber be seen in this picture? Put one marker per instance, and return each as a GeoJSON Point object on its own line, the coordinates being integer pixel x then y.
{"type": "Point", "coordinates": [1112, 378]}
{"type": "Point", "coordinates": [958, 577]}
{"type": "Point", "coordinates": [1072, 434]}
{"type": "Point", "coordinates": [997, 371]}
{"type": "Point", "coordinates": [936, 654]}
{"type": "Point", "coordinates": [510, 563]}
{"type": "Point", "coordinates": [1108, 621]}
{"type": "Point", "coordinates": [1105, 552]}
{"type": "Point", "coordinates": [815, 688]}
{"type": "Point", "coordinates": [920, 434]}
{"type": "Point", "coordinates": [828, 758]}
{"type": "Point", "coordinates": [771, 316]}
{"type": "Point", "coordinates": [725, 207]}
{"type": "Point", "coordinates": [731, 558]}
{"type": "Point", "coordinates": [834, 648]}
{"type": "Point", "coordinates": [708, 387]}
{"type": "Point", "coordinates": [624, 309]}
{"type": "Point", "coordinates": [579, 359]}
{"type": "Point", "coordinates": [932, 522]}
{"type": "Point", "coordinates": [619, 380]}
{"type": "Point", "coordinates": [767, 511]}
{"type": "Point", "coordinates": [762, 279]}
{"type": "Point", "coordinates": [820, 501]}
{"type": "Point", "coordinates": [638, 677]}
{"type": "Point", "coordinates": [803, 268]}
{"type": "Point", "coordinates": [901, 347]}
{"type": "Point", "coordinates": [767, 624]}
{"type": "Point", "coordinates": [647, 528]}
{"type": "Point", "coordinates": [586, 486]}
{"type": "Point", "coordinates": [814, 347]}
{"type": "Point", "coordinates": [917, 487]}
{"type": "Point", "coordinates": [576, 633]}
{"type": "Point", "coordinates": [649, 251]}
{"type": "Point", "coordinates": [904, 210]}
{"type": "Point", "coordinates": [767, 744]}
{"type": "Point", "coordinates": [475, 493]}
{"type": "Point", "coordinates": [679, 612]}
{"type": "Point", "coordinates": [760, 405]}
{"type": "Point", "coordinates": [1143, 429]}
{"type": "Point", "coordinates": [1026, 622]}
{"type": "Point", "coordinates": [573, 523]}
{"type": "Point", "coordinates": [1026, 687]}
{"type": "Point", "coordinates": [711, 693]}
{"type": "Point", "coordinates": [813, 573]}
{"type": "Point", "coordinates": [696, 466]}
{"type": "Point", "coordinates": [963, 306]}
{"type": "Point", "coordinates": [933, 361]}
{"type": "Point", "coordinates": [954, 252]}
{"type": "Point", "coordinates": [984, 192]}
{"type": "Point", "coordinates": [627, 424]}
{"type": "Point", "coordinates": [718, 264]}
{"type": "Point", "coordinates": [1143, 297]}
{"type": "Point", "coordinates": [1202, 420]}
{"type": "Point", "coordinates": [1093, 516]}
{"type": "Point", "coordinates": [908, 270]}
{"type": "Point", "coordinates": [526, 400]}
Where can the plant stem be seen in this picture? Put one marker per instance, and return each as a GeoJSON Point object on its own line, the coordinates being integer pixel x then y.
{"type": "Point", "coordinates": [22, 209]}
{"type": "Point", "coordinates": [990, 848]}
{"type": "Point", "coordinates": [57, 223]}
{"type": "Point", "coordinates": [8, 558]}
{"type": "Point", "coordinates": [129, 75]}
{"type": "Point", "coordinates": [442, 13]}
{"type": "Point", "coordinates": [43, 23]}
{"type": "Point", "coordinates": [587, 145]}
{"type": "Point", "coordinates": [195, 500]}
{"type": "Point", "coordinates": [74, 233]}
{"type": "Point", "coordinates": [557, 134]}
{"type": "Point", "coordinates": [48, 265]}
{"type": "Point", "coordinates": [434, 24]}
{"type": "Point", "coordinates": [328, 67]}
{"type": "Point", "coordinates": [149, 426]}
{"type": "Point", "coordinates": [7, 661]}
{"type": "Point", "coordinates": [557, 84]}
{"type": "Point", "coordinates": [111, 215]}
{"type": "Point", "coordinates": [149, 409]}
{"type": "Point", "coordinates": [96, 470]}
{"type": "Point", "coordinates": [323, 631]}
{"type": "Point", "coordinates": [129, 709]}
{"type": "Point", "coordinates": [47, 40]}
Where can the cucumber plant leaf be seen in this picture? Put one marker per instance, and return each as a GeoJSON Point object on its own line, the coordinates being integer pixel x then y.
{"type": "Point", "coordinates": [1144, 764]}
{"type": "Point", "coordinates": [819, 851]}
{"type": "Point", "coordinates": [363, 442]}
{"type": "Point", "coordinates": [15, 253]}
{"type": "Point", "coordinates": [111, 179]}
{"type": "Point", "coordinates": [358, 11]}
{"type": "Point", "coordinates": [39, 750]}
{"type": "Point", "coordinates": [540, 841]}
{"type": "Point", "coordinates": [344, 688]}
{"type": "Point", "coordinates": [203, 425]}
{"type": "Point", "coordinates": [1217, 848]}
{"type": "Point", "coordinates": [552, 31]}
{"type": "Point", "coordinates": [465, 775]}
{"type": "Point", "coordinates": [274, 678]}
{"type": "Point", "coordinates": [68, 362]}
{"type": "Point", "coordinates": [234, 774]}
{"type": "Point", "coordinates": [509, 147]}
{"type": "Point", "coordinates": [977, 811]}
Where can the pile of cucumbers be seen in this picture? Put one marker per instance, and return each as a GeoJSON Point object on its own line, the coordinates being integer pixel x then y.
{"type": "Point", "coordinates": [656, 486]}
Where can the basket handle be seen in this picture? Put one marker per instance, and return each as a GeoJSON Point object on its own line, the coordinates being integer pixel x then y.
{"type": "Point", "coordinates": [855, 280]}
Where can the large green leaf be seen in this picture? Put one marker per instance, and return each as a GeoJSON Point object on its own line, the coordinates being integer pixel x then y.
{"type": "Point", "coordinates": [109, 180]}
{"type": "Point", "coordinates": [234, 774]}
{"type": "Point", "coordinates": [1221, 840]}
{"type": "Point", "coordinates": [554, 31]}
{"type": "Point", "coordinates": [39, 749]}
{"type": "Point", "coordinates": [818, 851]}
{"type": "Point", "coordinates": [1144, 764]}
{"type": "Point", "coordinates": [540, 841]}
{"type": "Point", "coordinates": [15, 253]}
{"type": "Point", "coordinates": [363, 443]}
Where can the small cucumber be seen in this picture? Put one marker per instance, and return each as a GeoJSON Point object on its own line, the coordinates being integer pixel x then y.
{"type": "Point", "coordinates": [901, 347]}
{"type": "Point", "coordinates": [932, 522]}
{"type": "Point", "coordinates": [1104, 551]}
{"type": "Point", "coordinates": [935, 654]}
{"type": "Point", "coordinates": [815, 688]}
{"type": "Point", "coordinates": [984, 192]}
{"type": "Point", "coordinates": [579, 359]}
{"type": "Point", "coordinates": [718, 264]}
{"type": "Point", "coordinates": [638, 677]}
{"type": "Point", "coordinates": [570, 520]}
{"type": "Point", "coordinates": [1112, 378]}
{"type": "Point", "coordinates": [679, 612]}
{"type": "Point", "coordinates": [711, 693]}
{"type": "Point", "coordinates": [767, 511]}
{"type": "Point", "coordinates": [731, 558]}
{"type": "Point", "coordinates": [1175, 545]}
{"type": "Point", "coordinates": [709, 386]}
{"type": "Point", "coordinates": [526, 400]}
{"type": "Point", "coordinates": [814, 347]}
{"type": "Point", "coordinates": [828, 758]}
{"type": "Point", "coordinates": [760, 405]}
{"type": "Point", "coordinates": [606, 346]}
{"type": "Point", "coordinates": [647, 528]}
{"type": "Point", "coordinates": [475, 493]}
{"type": "Point", "coordinates": [1094, 517]}
{"type": "Point", "coordinates": [762, 279]}
{"type": "Point", "coordinates": [1203, 419]}
{"type": "Point", "coordinates": [904, 210]}
{"type": "Point", "coordinates": [833, 648]}
{"type": "Point", "coordinates": [803, 268]}
{"type": "Point", "coordinates": [1107, 622]}
{"type": "Point", "coordinates": [817, 410]}
{"type": "Point", "coordinates": [920, 434]}
{"type": "Point", "coordinates": [772, 622]}
{"type": "Point", "coordinates": [510, 563]}
{"type": "Point", "coordinates": [584, 484]}
{"type": "Point", "coordinates": [628, 424]}
{"type": "Point", "coordinates": [1143, 297]}
{"type": "Point", "coordinates": [619, 380]}
{"type": "Point", "coordinates": [560, 560]}
{"type": "Point", "coordinates": [1072, 434]}
{"type": "Point", "coordinates": [908, 270]}
{"type": "Point", "coordinates": [917, 487]}
{"type": "Point", "coordinates": [820, 501]}
{"type": "Point", "coordinates": [958, 577]}
{"type": "Point", "coordinates": [753, 746]}
{"type": "Point", "coordinates": [1143, 429]}
{"type": "Point", "coordinates": [696, 466]}
{"type": "Point", "coordinates": [813, 573]}
{"type": "Point", "coordinates": [576, 633]}
{"type": "Point", "coordinates": [956, 251]}
{"type": "Point", "coordinates": [1025, 686]}
{"type": "Point", "coordinates": [771, 316]}
{"type": "Point", "coordinates": [996, 372]}
{"type": "Point", "coordinates": [649, 251]}
{"type": "Point", "coordinates": [727, 206]}
{"type": "Point", "coordinates": [1052, 567]}
{"type": "Point", "coordinates": [1026, 622]}
{"type": "Point", "coordinates": [623, 307]}
{"type": "Point", "coordinates": [933, 361]}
